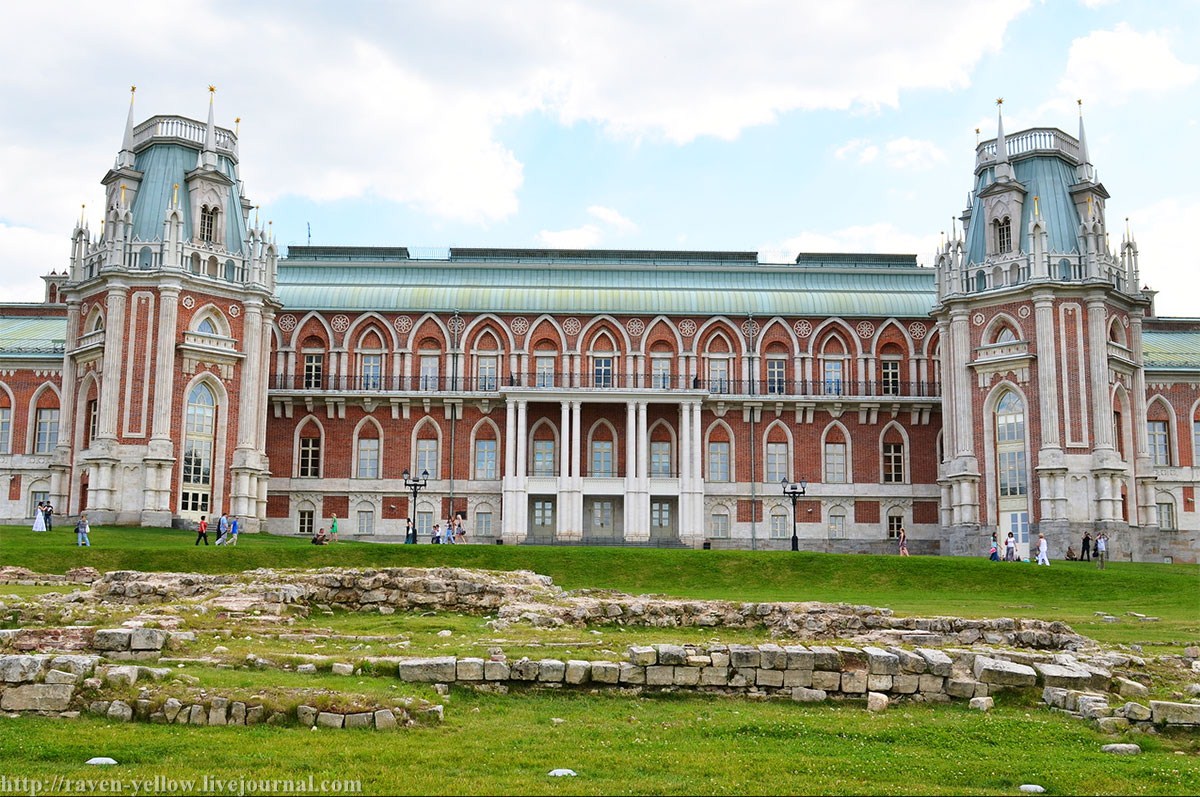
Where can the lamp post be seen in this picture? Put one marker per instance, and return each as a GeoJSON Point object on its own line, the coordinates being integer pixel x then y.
{"type": "Point", "coordinates": [794, 491]}
{"type": "Point", "coordinates": [416, 485]}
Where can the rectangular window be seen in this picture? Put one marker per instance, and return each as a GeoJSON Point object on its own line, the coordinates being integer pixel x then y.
{"type": "Point", "coordinates": [483, 524]}
{"type": "Point", "coordinates": [777, 462]}
{"type": "Point", "coordinates": [837, 527]}
{"type": "Point", "coordinates": [1004, 236]}
{"type": "Point", "coordinates": [833, 371]}
{"type": "Point", "coordinates": [1012, 472]}
{"type": "Point", "coordinates": [1166, 516]}
{"type": "Point", "coordinates": [545, 370]}
{"type": "Point", "coordinates": [718, 462]}
{"type": "Point", "coordinates": [543, 458]}
{"type": "Point", "coordinates": [368, 458]}
{"type": "Point", "coordinates": [1018, 524]}
{"type": "Point", "coordinates": [660, 459]}
{"type": "Point", "coordinates": [47, 431]}
{"type": "Point", "coordinates": [366, 521]}
{"type": "Point", "coordinates": [1010, 427]}
{"type": "Point", "coordinates": [660, 373]}
{"type": "Point", "coordinates": [93, 420]}
{"type": "Point", "coordinates": [429, 372]}
{"type": "Point", "coordinates": [543, 514]}
{"type": "Point", "coordinates": [197, 461]}
{"type": "Point", "coordinates": [488, 374]}
{"type": "Point", "coordinates": [889, 377]}
{"type": "Point", "coordinates": [719, 525]}
{"type": "Point", "coordinates": [194, 501]}
{"type": "Point", "coordinates": [660, 515]}
{"type": "Point", "coordinates": [314, 371]}
{"type": "Point", "coordinates": [893, 463]}
{"type": "Point", "coordinates": [1160, 450]}
{"type": "Point", "coordinates": [894, 524]}
{"type": "Point", "coordinates": [718, 375]}
{"type": "Point", "coordinates": [310, 458]}
{"type": "Point", "coordinates": [780, 526]}
{"type": "Point", "coordinates": [427, 457]}
{"type": "Point", "coordinates": [485, 459]}
{"type": "Point", "coordinates": [35, 498]}
{"type": "Point", "coordinates": [372, 371]}
{"type": "Point", "coordinates": [424, 523]}
{"type": "Point", "coordinates": [1196, 444]}
{"type": "Point", "coordinates": [602, 372]}
{"type": "Point", "coordinates": [602, 458]}
{"type": "Point", "coordinates": [776, 376]}
{"type": "Point", "coordinates": [305, 518]}
{"type": "Point", "coordinates": [5, 430]}
{"type": "Point", "coordinates": [602, 514]}
{"type": "Point", "coordinates": [835, 463]}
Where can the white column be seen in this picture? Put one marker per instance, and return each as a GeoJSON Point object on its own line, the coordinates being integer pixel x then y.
{"type": "Point", "coordinates": [509, 523]}
{"type": "Point", "coordinates": [1047, 369]}
{"type": "Point", "coordinates": [1102, 417]}
{"type": "Point", "coordinates": [698, 454]}
{"type": "Point", "coordinates": [521, 495]}
{"type": "Point", "coordinates": [576, 438]}
{"type": "Point", "coordinates": [114, 358]}
{"type": "Point", "coordinates": [685, 450]}
{"type": "Point", "coordinates": [643, 443]}
{"type": "Point", "coordinates": [565, 446]}
{"type": "Point", "coordinates": [630, 444]}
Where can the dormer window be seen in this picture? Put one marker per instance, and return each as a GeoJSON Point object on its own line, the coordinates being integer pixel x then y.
{"type": "Point", "coordinates": [1003, 235]}
{"type": "Point", "coordinates": [208, 223]}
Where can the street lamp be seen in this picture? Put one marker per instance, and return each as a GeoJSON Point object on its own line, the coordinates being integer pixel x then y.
{"type": "Point", "coordinates": [794, 491]}
{"type": "Point", "coordinates": [416, 485]}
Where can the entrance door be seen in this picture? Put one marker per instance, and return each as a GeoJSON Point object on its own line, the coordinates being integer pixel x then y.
{"type": "Point", "coordinates": [1018, 524]}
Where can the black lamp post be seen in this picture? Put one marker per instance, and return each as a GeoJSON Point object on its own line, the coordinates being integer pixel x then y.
{"type": "Point", "coordinates": [416, 485]}
{"type": "Point", "coordinates": [794, 491]}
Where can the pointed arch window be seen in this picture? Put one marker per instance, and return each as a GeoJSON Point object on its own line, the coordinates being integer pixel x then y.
{"type": "Point", "coordinates": [46, 430]}
{"type": "Point", "coordinates": [309, 463]}
{"type": "Point", "coordinates": [1003, 235]}
{"type": "Point", "coordinates": [208, 223]}
{"type": "Point", "coordinates": [5, 430]}
{"type": "Point", "coordinates": [1011, 469]}
{"type": "Point", "coordinates": [1159, 438]}
{"type": "Point", "coordinates": [207, 327]}
{"type": "Point", "coordinates": [200, 425]}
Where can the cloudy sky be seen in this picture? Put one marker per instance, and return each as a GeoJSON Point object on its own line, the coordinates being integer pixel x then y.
{"type": "Point", "coordinates": [647, 124]}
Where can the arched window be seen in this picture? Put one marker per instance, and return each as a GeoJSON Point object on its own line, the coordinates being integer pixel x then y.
{"type": "Point", "coordinates": [833, 366]}
{"type": "Point", "coordinates": [208, 224]}
{"type": "Point", "coordinates": [1003, 235]}
{"type": "Point", "coordinates": [207, 327]}
{"type": "Point", "coordinates": [980, 280]}
{"type": "Point", "coordinates": [780, 523]}
{"type": "Point", "coordinates": [200, 425]}
{"type": "Point", "coordinates": [308, 464]}
{"type": "Point", "coordinates": [367, 452]}
{"type": "Point", "coordinates": [719, 523]}
{"type": "Point", "coordinates": [1012, 474]}
{"type": "Point", "coordinates": [837, 523]}
{"type": "Point", "coordinates": [1005, 335]}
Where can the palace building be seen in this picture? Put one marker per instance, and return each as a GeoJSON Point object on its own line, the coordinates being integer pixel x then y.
{"type": "Point", "coordinates": [181, 366]}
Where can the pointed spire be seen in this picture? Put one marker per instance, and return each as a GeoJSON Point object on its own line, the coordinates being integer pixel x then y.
{"type": "Point", "coordinates": [125, 159]}
{"type": "Point", "coordinates": [208, 156]}
{"type": "Point", "coordinates": [1084, 172]}
{"type": "Point", "coordinates": [1003, 167]}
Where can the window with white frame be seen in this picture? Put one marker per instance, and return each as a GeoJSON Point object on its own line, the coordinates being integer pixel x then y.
{"type": "Point", "coordinates": [485, 459]}
{"type": "Point", "coordinates": [718, 462]}
{"type": "Point", "coordinates": [1010, 419]}
{"type": "Point", "coordinates": [780, 524]}
{"type": "Point", "coordinates": [660, 514]}
{"type": "Point", "coordinates": [199, 436]}
{"type": "Point", "coordinates": [93, 419]}
{"type": "Point", "coordinates": [543, 458]}
{"type": "Point", "coordinates": [1196, 443]}
{"type": "Point", "coordinates": [207, 327]}
{"type": "Point", "coordinates": [310, 456]}
{"type": "Point", "coordinates": [895, 522]}
{"type": "Point", "coordinates": [366, 521]}
{"type": "Point", "coordinates": [1003, 235]}
{"type": "Point", "coordinates": [46, 431]}
{"type": "Point", "coordinates": [1159, 441]}
{"type": "Point", "coordinates": [305, 520]}
{"type": "Point", "coordinates": [602, 458]}
{"type": "Point", "coordinates": [833, 372]}
{"type": "Point", "coordinates": [660, 458]}
{"type": "Point", "coordinates": [1011, 472]}
{"type": "Point", "coordinates": [602, 514]}
{"type": "Point", "coordinates": [543, 513]}
{"type": "Point", "coordinates": [837, 523]}
{"type": "Point", "coordinates": [835, 463]}
{"type": "Point", "coordinates": [314, 370]}
{"type": "Point", "coordinates": [718, 375]}
{"type": "Point", "coordinates": [487, 372]}
{"type": "Point", "coordinates": [427, 457]}
{"type": "Point", "coordinates": [1166, 513]}
{"type": "Point", "coordinates": [544, 365]}
{"type": "Point", "coordinates": [208, 224]}
{"type": "Point", "coordinates": [718, 524]}
{"type": "Point", "coordinates": [893, 463]}
{"type": "Point", "coordinates": [5, 430]}
{"type": "Point", "coordinates": [777, 462]}
{"type": "Point", "coordinates": [602, 370]}
{"type": "Point", "coordinates": [660, 372]}
{"type": "Point", "coordinates": [776, 375]}
{"type": "Point", "coordinates": [368, 458]}
{"type": "Point", "coordinates": [424, 522]}
{"type": "Point", "coordinates": [483, 523]}
{"type": "Point", "coordinates": [372, 371]}
{"type": "Point", "coordinates": [889, 377]}
{"type": "Point", "coordinates": [37, 497]}
{"type": "Point", "coordinates": [430, 364]}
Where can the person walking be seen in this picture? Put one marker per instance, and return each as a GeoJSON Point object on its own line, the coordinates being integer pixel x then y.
{"type": "Point", "coordinates": [333, 529]}
{"type": "Point", "coordinates": [410, 532]}
{"type": "Point", "coordinates": [81, 532]}
{"type": "Point", "coordinates": [222, 527]}
{"type": "Point", "coordinates": [903, 542]}
{"type": "Point", "coordinates": [1085, 547]}
{"type": "Point", "coordinates": [1010, 548]}
{"type": "Point", "coordinates": [460, 534]}
{"type": "Point", "coordinates": [233, 530]}
{"type": "Point", "coordinates": [1043, 557]}
{"type": "Point", "coordinates": [202, 531]}
{"type": "Point", "coordinates": [994, 550]}
{"type": "Point", "coordinates": [448, 533]}
{"type": "Point", "coordinates": [437, 534]}
{"type": "Point", "coordinates": [39, 517]}
{"type": "Point", "coordinates": [1101, 550]}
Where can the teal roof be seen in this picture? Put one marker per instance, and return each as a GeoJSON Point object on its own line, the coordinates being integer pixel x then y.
{"type": "Point", "coordinates": [165, 164]}
{"type": "Point", "coordinates": [1047, 177]}
{"type": "Point", "coordinates": [630, 283]}
{"type": "Point", "coordinates": [32, 335]}
{"type": "Point", "coordinates": [1171, 348]}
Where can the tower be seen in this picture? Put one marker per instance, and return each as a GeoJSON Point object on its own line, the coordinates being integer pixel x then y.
{"type": "Point", "coordinates": [168, 312]}
{"type": "Point", "coordinates": [1044, 403]}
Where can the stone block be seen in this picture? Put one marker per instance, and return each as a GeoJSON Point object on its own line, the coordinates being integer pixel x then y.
{"type": "Point", "coordinates": [551, 671]}
{"type": "Point", "coordinates": [1136, 712]}
{"type": "Point", "coordinates": [61, 677]}
{"type": "Point", "coordinates": [826, 680]}
{"type": "Point", "coordinates": [909, 662]}
{"type": "Point", "coordinates": [362, 719]}
{"type": "Point", "coordinates": [699, 661]}
{"type": "Point", "coordinates": [1092, 706]}
{"type": "Point", "coordinates": [218, 711]}
{"type": "Point", "coordinates": [671, 654]}
{"type": "Point", "coordinates": [385, 720]}
{"type": "Point", "coordinates": [742, 677]}
{"type": "Point", "coordinates": [632, 673]}
{"type": "Point", "coordinates": [255, 714]}
{"type": "Point", "coordinates": [1112, 724]}
{"type": "Point", "coordinates": [496, 671]}
{"type": "Point", "coordinates": [1003, 673]}
{"type": "Point", "coordinates": [1125, 688]}
{"type": "Point", "coordinates": [1055, 696]}
{"type": "Point", "coordinates": [80, 665]}
{"type": "Point", "coordinates": [606, 672]}
{"type": "Point", "coordinates": [469, 669]}
{"type": "Point", "coordinates": [120, 711]}
{"type": "Point", "coordinates": [147, 639]}
{"type": "Point", "coordinates": [931, 684]}
{"type": "Point", "coordinates": [37, 697]}
{"type": "Point", "coordinates": [1168, 713]}
{"type": "Point", "coordinates": [879, 683]}
{"type": "Point", "coordinates": [852, 658]}
{"type": "Point", "coordinates": [743, 656]}
{"type": "Point", "coordinates": [112, 639]}
{"type": "Point", "coordinates": [799, 657]}
{"type": "Point", "coordinates": [643, 655]}
{"type": "Point", "coordinates": [342, 668]}
{"type": "Point", "coordinates": [720, 658]}
{"type": "Point", "coordinates": [876, 701]}
{"type": "Point", "coordinates": [797, 677]}
{"type": "Point", "coordinates": [306, 715]}
{"type": "Point", "coordinates": [826, 658]}
{"type": "Point", "coordinates": [437, 669]}
{"type": "Point", "coordinates": [714, 676]}
{"type": "Point", "coordinates": [983, 690]}
{"type": "Point", "coordinates": [21, 669]}
{"type": "Point", "coordinates": [906, 683]}
{"type": "Point", "coordinates": [772, 657]}
{"type": "Point", "coordinates": [524, 669]}
{"type": "Point", "coordinates": [687, 676]}
{"type": "Point", "coordinates": [141, 709]}
{"type": "Point", "coordinates": [880, 662]}
{"type": "Point", "coordinates": [307, 669]}
{"type": "Point", "coordinates": [1063, 676]}
{"type": "Point", "coordinates": [197, 716]}
{"type": "Point", "coordinates": [982, 703]}
{"type": "Point", "coordinates": [124, 674]}
{"type": "Point", "coordinates": [577, 672]}
{"type": "Point", "coordinates": [804, 695]}
{"type": "Point", "coordinates": [959, 687]}
{"type": "Point", "coordinates": [330, 719]}
{"type": "Point", "coordinates": [660, 675]}
{"type": "Point", "coordinates": [237, 713]}
{"type": "Point", "coordinates": [171, 709]}
{"type": "Point", "coordinates": [936, 662]}
{"type": "Point", "coordinates": [854, 682]}
{"type": "Point", "coordinates": [770, 678]}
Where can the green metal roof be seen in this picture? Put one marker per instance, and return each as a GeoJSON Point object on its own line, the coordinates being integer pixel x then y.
{"type": "Point", "coordinates": [651, 283]}
{"type": "Point", "coordinates": [1171, 348]}
{"type": "Point", "coordinates": [32, 335]}
{"type": "Point", "coordinates": [163, 166]}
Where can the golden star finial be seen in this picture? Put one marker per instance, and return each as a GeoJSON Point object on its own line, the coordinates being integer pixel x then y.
{"type": "Point", "coordinates": [212, 89]}
{"type": "Point", "coordinates": [132, 89]}
{"type": "Point", "coordinates": [999, 100]}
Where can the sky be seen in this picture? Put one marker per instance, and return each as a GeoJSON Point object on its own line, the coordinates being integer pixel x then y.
{"type": "Point", "coordinates": [775, 127]}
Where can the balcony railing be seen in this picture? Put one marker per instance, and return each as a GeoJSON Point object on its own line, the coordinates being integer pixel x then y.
{"type": "Point", "coordinates": [592, 382]}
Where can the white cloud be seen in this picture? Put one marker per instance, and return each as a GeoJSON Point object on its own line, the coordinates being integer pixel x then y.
{"type": "Point", "coordinates": [860, 149]}
{"type": "Point", "coordinates": [1167, 256]}
{"type": "Point", "coordinates": [1113, 65]}
{"type": "Point", "coordinates": [586, 237]}
{"type": "Point", "coordinates": [25, 255]}
{"type": "Point", "coordinates": [612, 218]}
{"type": "Point", "coordinates": [879, 238]}
{"type": "Point", "coordinates": [909, 153]}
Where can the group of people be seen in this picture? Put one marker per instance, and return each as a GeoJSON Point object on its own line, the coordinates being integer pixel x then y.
{"type": "Point", "coordinates": [1098, 545]}
{"type": "Point", "coordinates": [43, 517]}
{"type": "Point", "coordinates": [1010, 548]}
{"type": "Point", "coordinates": [1091, 547]}
{"type": "Point", "coordinates": [227, 530]}
{"type": "Point", "coordinates": [454, 532]}
{"type": "Point", "coordinates": [324, 538]}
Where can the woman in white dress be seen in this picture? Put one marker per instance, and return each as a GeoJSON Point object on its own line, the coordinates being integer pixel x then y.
{"type": "Point", "coordinates": [39, 518]}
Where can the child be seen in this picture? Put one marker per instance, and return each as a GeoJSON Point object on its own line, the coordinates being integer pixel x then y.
{"type": "Point", "coordinates": [202, 533]}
